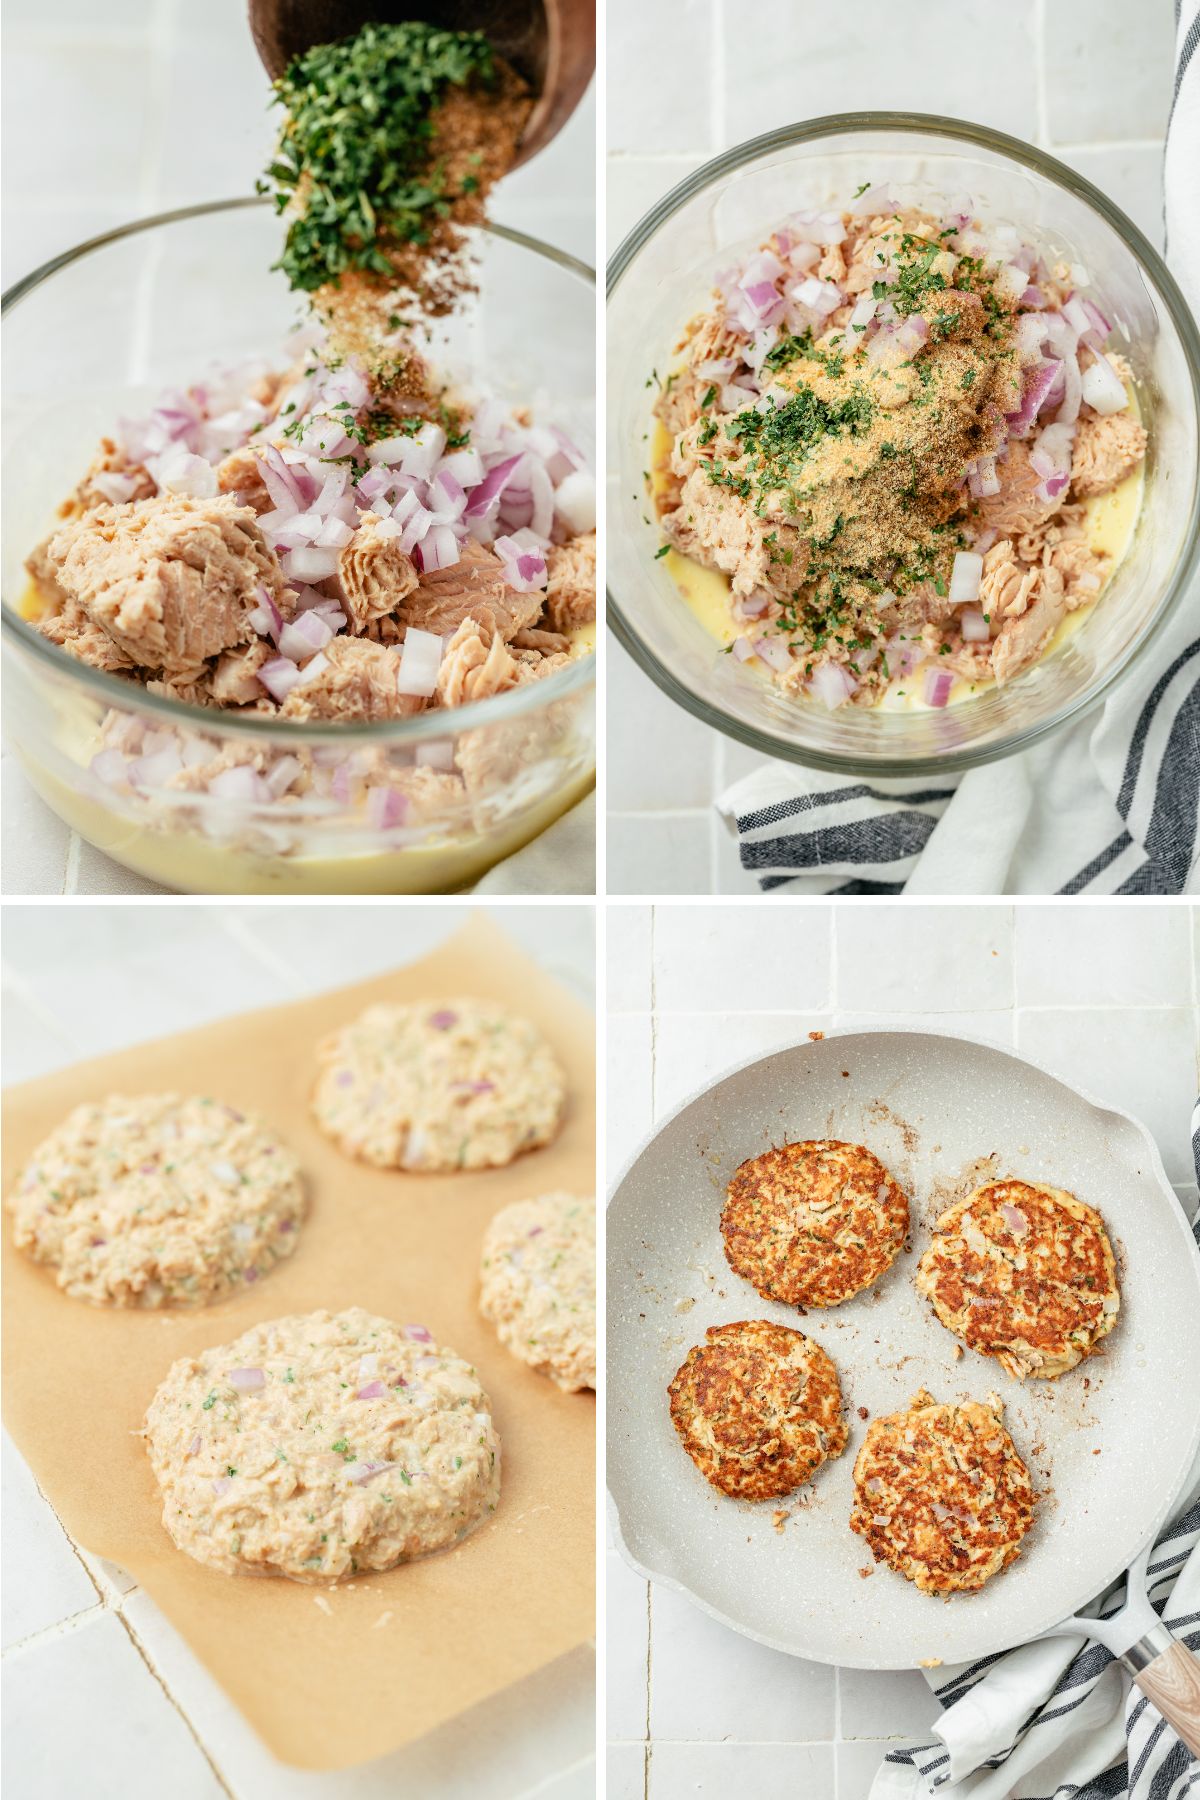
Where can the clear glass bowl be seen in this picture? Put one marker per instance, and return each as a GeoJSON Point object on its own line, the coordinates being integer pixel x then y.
{"type": "Point", "coordinates": [96, 334]}
{"type": "Point", "coordinates": [663, 274]}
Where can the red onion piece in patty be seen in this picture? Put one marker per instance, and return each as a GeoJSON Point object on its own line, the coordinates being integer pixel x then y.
{"type": "Point", "coordinates": [247, 1381]}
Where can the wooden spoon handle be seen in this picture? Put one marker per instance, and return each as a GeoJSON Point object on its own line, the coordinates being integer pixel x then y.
{"type": "Point", "coordinates": [570, 61]}
{"type": "Point", "coordinates": [1172, 1682]}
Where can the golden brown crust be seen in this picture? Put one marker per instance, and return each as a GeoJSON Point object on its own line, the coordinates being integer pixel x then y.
{"type": "Point", "coordinates": [1025, 1273]}
{"type": "Point", "coordinates": [757, 1408]}
{"type": "Point", "coordinates": [941, 1495]}
{"type": "Point", "coordinates": [814, 1222]}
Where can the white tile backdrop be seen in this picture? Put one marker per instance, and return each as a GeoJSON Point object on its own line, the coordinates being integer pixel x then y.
{"type": "Point", "coordinates": [1106, 995]}
{"type": "Point", "coordinates": [103, 1700]}
{"type": "Point", "coordinates": [1091, 83]}
{"type": "Point", "coordinates": [116, 110]}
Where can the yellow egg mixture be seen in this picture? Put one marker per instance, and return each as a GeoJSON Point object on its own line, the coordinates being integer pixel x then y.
{"type": "Point", "coordinates": [1109, 521]}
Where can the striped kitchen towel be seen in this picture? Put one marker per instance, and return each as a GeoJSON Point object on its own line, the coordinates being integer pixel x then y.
{"type": "Point", "coordinates": [1108, 806]}
{"type": "Point", "coordinates": [1059, 1719]}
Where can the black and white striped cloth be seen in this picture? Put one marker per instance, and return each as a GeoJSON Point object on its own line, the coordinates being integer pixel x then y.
{"type": "Point", "coordinates": [1110, 806]}
{"type": "Point", "coordinates": [1060, 1720]}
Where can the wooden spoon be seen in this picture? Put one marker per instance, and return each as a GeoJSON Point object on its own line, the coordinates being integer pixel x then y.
{"type": "Point", "coordinates": [552, 43]}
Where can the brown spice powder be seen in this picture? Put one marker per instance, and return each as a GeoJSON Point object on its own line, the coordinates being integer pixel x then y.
{"type": "Point", "coordinates": [476, 132]}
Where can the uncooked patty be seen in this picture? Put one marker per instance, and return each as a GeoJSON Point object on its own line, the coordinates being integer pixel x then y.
{"type": "Point", "coordinates": [941, 1495]}
{"type": "Point", "coordinates": [1024, 1273]}
{"type": "Point", "coordinates": [758, 1408]}
{"type": "Point", "coordinates": [538, 1285]}
{"type": "Point", "coordinates": [156, 1200]}
{"type": "Point", "coordinates": [456, 1084]}
{"type": "Point", "coordinates": [813, 1223]}
{"type": "Point", "coordinates": [320, 1446]}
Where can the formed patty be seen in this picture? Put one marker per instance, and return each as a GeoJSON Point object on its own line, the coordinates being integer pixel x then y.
{"type": "Point", "coordinates": [156, 1200]}
{"type": "Point", "coordinates": [941, 1495]}
{"type": "Point", "coordinates": [538, 1285]}
{"type": "Point", "coordinates": [813, 1223]}
{"type": "Point", "coordinates": [1024, 1273]}
{"type": "Point", "coordinates": [456, 1084]}
{"type": "Point", "coordinates": [758, 1408]}
{"type": "Point", "coordinates": [320, 1446]}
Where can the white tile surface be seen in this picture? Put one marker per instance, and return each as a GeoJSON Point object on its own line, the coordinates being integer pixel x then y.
{"type": "Point", "coordinates": [1104, 994]}
{"type": "Point", "coordinates": [115, 112]}
{"type": "Point", "coordinates": [766, 1771]}
{"type": "Point", "coordinates": [711, 1686]}
{"type": "Point", "coordinates": [1063, 951]}
{"type": "Point", "coordinates": [104, 1698]}
{"type": "Point", "coordinates": [876, 55]}
{"type": "Point", "coordinates": [1108, 70]}
{"type": "Point", "coordinates": [965, 963]}
{"type": "Point", "coordinates": [1091, 83]}
{"type": "Point", "coordinates": [782, 963]}
{"type": "Point", "coordinates": [89, 1717]}
{"type": "Point", "coordinates": [44, 1580]}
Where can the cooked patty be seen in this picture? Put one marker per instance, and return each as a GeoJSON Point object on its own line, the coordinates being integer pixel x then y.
{"type": "Point", "coordinates": [813, 1223]}
{"type": "Point", "coordinates": [941, 1495]}
{"type": "Point", "coordinates": [758, 1408]}
{"type": "Point", "coordinates": [1024, 1273]}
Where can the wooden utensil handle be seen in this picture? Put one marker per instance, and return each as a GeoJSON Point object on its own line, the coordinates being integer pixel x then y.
{"type": "Point", "coordinates": [1172, 1682]}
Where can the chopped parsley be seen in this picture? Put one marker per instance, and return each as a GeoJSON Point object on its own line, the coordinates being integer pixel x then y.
{"type": "Point", "coordinates": [354, 150]}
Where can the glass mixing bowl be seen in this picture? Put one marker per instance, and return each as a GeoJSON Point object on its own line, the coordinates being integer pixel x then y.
{"type": "Point", "coordinates": [664, 273]}
{"type": "Point", "coordinates": [96, 334]}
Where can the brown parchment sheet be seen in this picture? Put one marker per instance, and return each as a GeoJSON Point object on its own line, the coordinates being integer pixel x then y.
{"type": "Point", "coordinates": [324, 1675]}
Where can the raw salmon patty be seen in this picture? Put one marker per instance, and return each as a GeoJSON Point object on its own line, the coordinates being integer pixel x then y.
{"type": "Point", "coordinates": [320, 1446]}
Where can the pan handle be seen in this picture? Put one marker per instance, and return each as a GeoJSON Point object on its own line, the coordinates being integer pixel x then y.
{"type": "Point", "coordinates": [1169, 1675]}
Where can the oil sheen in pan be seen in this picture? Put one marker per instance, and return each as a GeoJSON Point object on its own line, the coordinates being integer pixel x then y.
{"type": "Point", "coordinates": [1109, 1445]}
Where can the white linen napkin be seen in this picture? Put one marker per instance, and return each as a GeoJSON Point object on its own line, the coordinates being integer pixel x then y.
{"type": "Point", "coordinates": [1110, 806]}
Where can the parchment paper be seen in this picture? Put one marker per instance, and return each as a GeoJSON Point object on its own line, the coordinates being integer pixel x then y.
{"type": "Point", "coordinates": [323, 1674]}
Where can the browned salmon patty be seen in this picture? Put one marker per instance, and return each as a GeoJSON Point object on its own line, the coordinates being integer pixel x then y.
{"type": "Point", "coordinates": [758, 1408]}
{"type": "Point", "coordinates": [1024, 1273]}
{"type": "Point", "coordinates": [941, 1495]}
{"type": "Point", "coordinates": [813, 1223]}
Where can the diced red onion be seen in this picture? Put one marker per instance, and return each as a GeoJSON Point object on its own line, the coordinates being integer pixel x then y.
{"type": "Point", "coordinates": [386, 807]}
{"type": "Point", "coordinates": [279, 677]}
{"type": "Point", "coordinates": [831, 684]}
{"type": "Point", "coordinates": [775, 653]}
{"type": "Point", "coordinates": [155, 771]}
{"type": "Point", "coordinates": [1103, 388]}
{"type": "Point", "coordinates": [374, 1390]}
{"type": "Point", "coordinates": [743, 649]}
{"type": "Point", "coordinates": [975, 627]}
{"type": "Point", "coordinates": [283, 773]}
{"type": "Point", "coordinates": [437, 754]}
{"type": "Point", "coordinates": [965, 577]}
{"type": "Point", "coordinates": [938, 683]}
{"type": "Point", "coordinates": [419, 1334]}
{"type": "Point", "coordinates": [575, 502]}
{"type": "Point", "coordinates": [310, 564]}
{"type": "Point", "coordinates": [239, 783]}
{"type": "Point", "coordinates": [110, 766]}
{"type": "Point", "coordinates": [221, 1486]}
{"type": "Point", "coordinates": [524, 568]}
{"type": "Point", "coordinates": [366, 1471]}
{"type": "Point", "coordinates": [420, 660]}
{"type": "Point", "coordinates": [246, 1381]}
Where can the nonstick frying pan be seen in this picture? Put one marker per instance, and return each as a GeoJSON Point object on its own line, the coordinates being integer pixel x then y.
{"type": "Point", "coordinates": [1110, 1444]}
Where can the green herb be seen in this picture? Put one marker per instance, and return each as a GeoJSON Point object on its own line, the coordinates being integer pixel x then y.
{"type": "Point", "coordinates": [860, 191]}
{"type": "Point", "coordinates": [708, 398]}
{"type": "Point", "coordinates": [211, 1401]}
{"type": "Point", "coordinates": [353, 155]}
{"type": "Point", "coordinates": [661, 552]}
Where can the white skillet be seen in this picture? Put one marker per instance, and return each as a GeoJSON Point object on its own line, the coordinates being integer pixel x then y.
{"type": "Point", "coordinates": [1110, 1444]}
